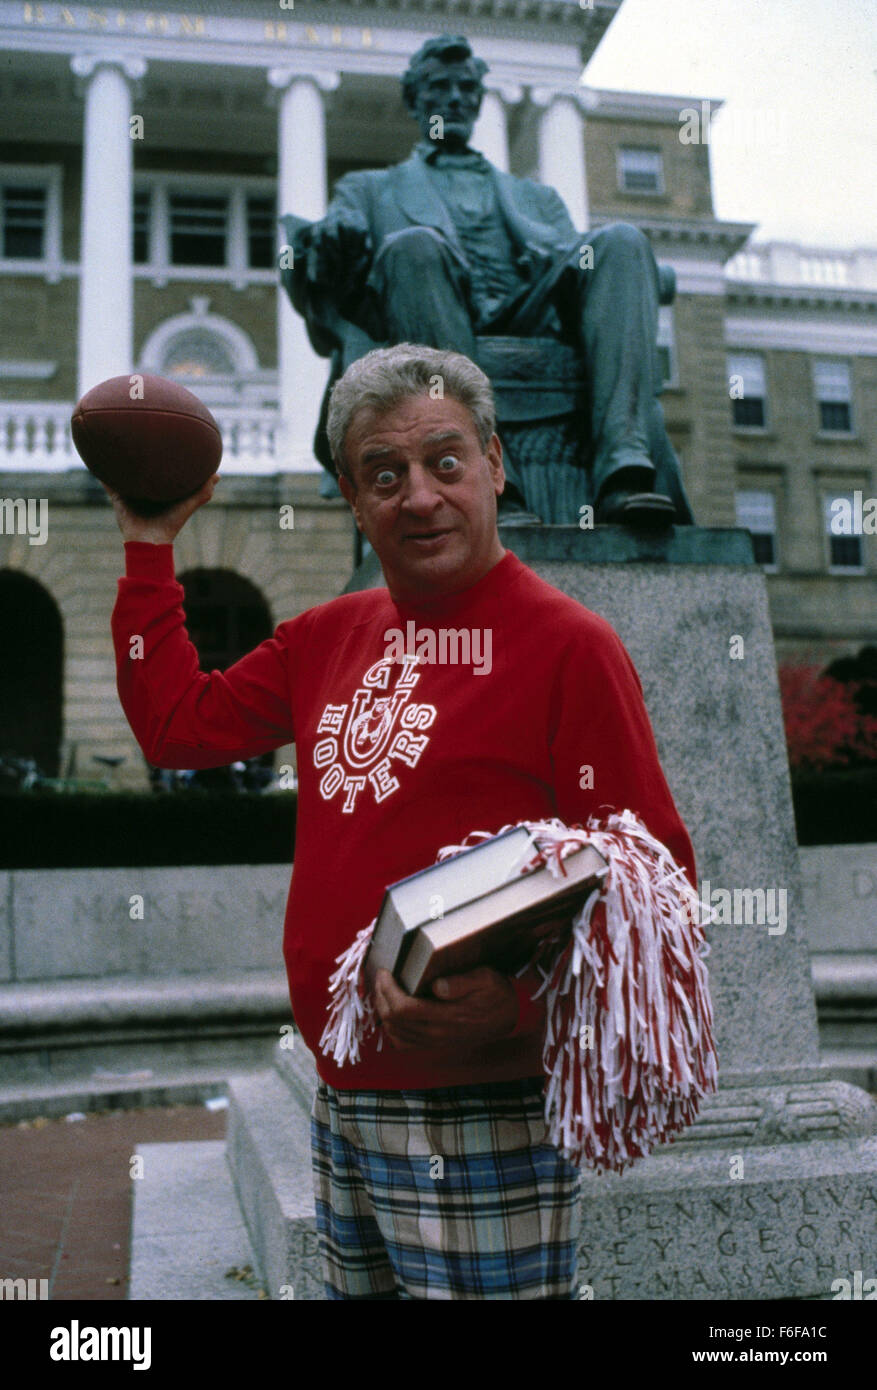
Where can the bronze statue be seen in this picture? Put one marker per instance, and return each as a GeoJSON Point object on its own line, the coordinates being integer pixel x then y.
{"type": "Point", "coordinates": [445, 249]}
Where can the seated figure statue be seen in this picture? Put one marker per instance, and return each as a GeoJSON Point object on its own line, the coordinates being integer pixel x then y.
{"type": "Point", "coordinates": [446, 250]}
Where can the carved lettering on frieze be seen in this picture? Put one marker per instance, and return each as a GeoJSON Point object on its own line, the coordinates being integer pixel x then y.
{"type": "Point", "coordinates": [156, 24]}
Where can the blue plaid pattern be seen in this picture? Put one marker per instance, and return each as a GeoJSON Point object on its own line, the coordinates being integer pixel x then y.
{"type": "Point", "coordinates": [444, 1194]}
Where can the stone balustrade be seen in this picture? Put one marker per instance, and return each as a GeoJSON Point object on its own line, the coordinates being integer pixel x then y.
{"type": "Point", "coordinates": [35, 436]}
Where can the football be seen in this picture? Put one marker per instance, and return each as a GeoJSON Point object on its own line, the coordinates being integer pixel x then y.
{"type": "Point", "coordinates": [147, 438]}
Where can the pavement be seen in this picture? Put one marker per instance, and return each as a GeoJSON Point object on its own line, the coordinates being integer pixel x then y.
{"type": "Point", "coordinates": [66, 1195]}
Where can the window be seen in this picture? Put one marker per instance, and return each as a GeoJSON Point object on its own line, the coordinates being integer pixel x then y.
{"type": "Point", "coordinates": [640, 171]}
{"type": "Point", "coordinates": [217, 359]}
{"type": "Point", "coordinates": [142, 224]}
{"type": "Point", "coordinates": [844, 526]}
{"type": "Point", "coordinates": [30, 219]}
{"type": "Point", "coordinates": [24, 222]}
{"type": "Point", "coordinates": [199, 229]}
{"type": "Point", "coordinates": [261, 233]}
{"type": "Point", "coordinates": [196, 352]}
{"type": "Point", "coordinates": [748, 390]}
{"type": "Point", "coordinates": [209, 224]}
{"type": "Point", "coordinates": [667, 347]}
{"type": "Point", "coordinates": [831, 386]}
{"type": "Point", "coordinates": [756, 513]}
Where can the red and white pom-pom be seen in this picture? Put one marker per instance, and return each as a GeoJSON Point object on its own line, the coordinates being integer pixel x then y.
{"type": "Point", "coordinates": [628, 1050]}
{"type": "Point", "coordinates": [351, 1011]}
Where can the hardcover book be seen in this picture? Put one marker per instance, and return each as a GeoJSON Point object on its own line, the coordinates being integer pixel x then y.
{"type": "Point", "coordinates": [484, 906]}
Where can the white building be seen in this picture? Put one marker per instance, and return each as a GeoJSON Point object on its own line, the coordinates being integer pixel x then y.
{"type": "Point", "coordinates": [145, 155]}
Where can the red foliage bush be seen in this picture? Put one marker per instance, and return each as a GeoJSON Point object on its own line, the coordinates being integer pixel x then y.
{"type": "Point", "coordinates": [824, 725]}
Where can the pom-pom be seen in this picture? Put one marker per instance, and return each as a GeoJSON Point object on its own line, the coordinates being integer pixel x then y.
{"type": "Point", "coordinates": [628, 1049]}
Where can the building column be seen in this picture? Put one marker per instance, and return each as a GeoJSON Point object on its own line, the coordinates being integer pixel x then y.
{"type": "Point", "coordinates": [106, 292]}
{"type": "Point", "coordinates": [301, 189]}
{"type": "Point", "coordinates": [562, 150]}
{"type": "Point", "coordinates": [491, 135]}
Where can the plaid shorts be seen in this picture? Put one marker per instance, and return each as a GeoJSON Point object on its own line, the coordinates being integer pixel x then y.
{"type": "Point", "coordinates": [446, 1194]}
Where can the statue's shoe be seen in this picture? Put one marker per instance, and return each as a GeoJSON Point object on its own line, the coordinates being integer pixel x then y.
{"type": "Point", "coordinates": [652, 511]}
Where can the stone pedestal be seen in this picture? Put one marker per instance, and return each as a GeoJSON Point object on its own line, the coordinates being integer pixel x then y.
{"type": "Point", "coordinates": [268, 1151]}
{"type": "Point", "coordinates": [773, 1192]}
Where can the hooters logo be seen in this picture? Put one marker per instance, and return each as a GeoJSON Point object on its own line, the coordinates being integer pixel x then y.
{"type": "Point", "coordinates": [367, 741]}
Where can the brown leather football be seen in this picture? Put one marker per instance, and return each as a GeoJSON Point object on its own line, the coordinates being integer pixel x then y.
{"type": "Point", "coordinates": [148, 438]}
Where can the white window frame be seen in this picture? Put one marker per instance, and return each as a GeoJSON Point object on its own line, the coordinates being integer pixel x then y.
{"type": "Point", "coordinates": [764, 494]}
{"type": "Point", "coordinates": [49, 177]}
{"type": "Point", "coordinates": [829, 398]}
{"type": "Point", "coordinates": [640, 192]}
{"type": "Point", "coordinates": [733, 358]}
{"type": "Point", "coordinates": [159, 269]}
{"type": "Point", "coordinates": [829, 496]}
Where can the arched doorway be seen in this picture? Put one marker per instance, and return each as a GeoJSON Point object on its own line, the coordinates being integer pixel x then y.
{"type": "Point", "coordinates": [31, 672]}
{"type": "Point", "coordinates": [226, 617]}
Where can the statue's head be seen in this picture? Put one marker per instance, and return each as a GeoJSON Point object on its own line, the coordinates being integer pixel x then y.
{"type": "Point", "coordinates": [444, 80]}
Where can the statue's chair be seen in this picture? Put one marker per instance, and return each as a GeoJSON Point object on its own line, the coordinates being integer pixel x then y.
{"type": "Point", "coordinates": [542, 400]}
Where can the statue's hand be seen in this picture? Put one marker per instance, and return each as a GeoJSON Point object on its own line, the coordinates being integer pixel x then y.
{"type": "Point", "coordinates": [340, 251]}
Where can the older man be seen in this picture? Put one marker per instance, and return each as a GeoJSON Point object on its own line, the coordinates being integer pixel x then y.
{"type": "Point", "coordinates": [432, 1177]}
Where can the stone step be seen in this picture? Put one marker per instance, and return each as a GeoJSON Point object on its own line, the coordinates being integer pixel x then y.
{"type": "Point", "coordinates": [115, 1091]}
{"type": "Point", "coordinates": [59, 1033]}
{"type": "Point", "coordinates": [45, 1012]}
{"type": "Point", "coordinates": [269, 1154]}
{"type": "Point", "coordinates": [188, 1237]}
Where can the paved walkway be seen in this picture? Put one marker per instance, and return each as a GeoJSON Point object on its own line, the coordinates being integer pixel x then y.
{"type": "Point", "coordinates": [65, 1194]}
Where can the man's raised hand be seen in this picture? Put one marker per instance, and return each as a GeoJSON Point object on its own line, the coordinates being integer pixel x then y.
{"type": "Point", "coordinates": [162, 528]}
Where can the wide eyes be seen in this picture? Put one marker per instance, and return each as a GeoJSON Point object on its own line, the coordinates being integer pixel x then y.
{"type": "Point", "coordinates": [446, 466]}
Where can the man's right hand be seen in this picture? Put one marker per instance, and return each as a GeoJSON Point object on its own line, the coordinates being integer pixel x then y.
{"type": "Point", "coordinates": [166, 525]}
{"type": "Point", "coordinates": [340, 251]}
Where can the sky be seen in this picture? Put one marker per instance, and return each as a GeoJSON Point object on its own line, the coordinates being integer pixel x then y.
{"type": "Point", "coordinates": [794, 148]}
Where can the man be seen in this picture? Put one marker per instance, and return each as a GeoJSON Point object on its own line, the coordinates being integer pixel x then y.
{"type": "Point", "coordinates": [432, 1177]}
{"type": "Point", "coordinates": [444, 247]}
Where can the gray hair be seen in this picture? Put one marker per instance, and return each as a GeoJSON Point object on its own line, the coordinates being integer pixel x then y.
{"type": "Point", "coordinates": [386, 377]}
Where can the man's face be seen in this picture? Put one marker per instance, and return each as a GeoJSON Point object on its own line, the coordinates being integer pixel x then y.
{"type": "Point", "coordinates": [452, 91]}
{"type": "Point", "coordinates": [424, 495]}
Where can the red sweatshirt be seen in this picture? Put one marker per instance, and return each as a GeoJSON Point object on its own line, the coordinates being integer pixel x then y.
{"type": "Point", "coordinates": [518, 693]}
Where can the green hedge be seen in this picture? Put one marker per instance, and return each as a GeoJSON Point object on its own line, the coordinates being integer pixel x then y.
{"type": "Point", "coordinates": [81, 830]}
